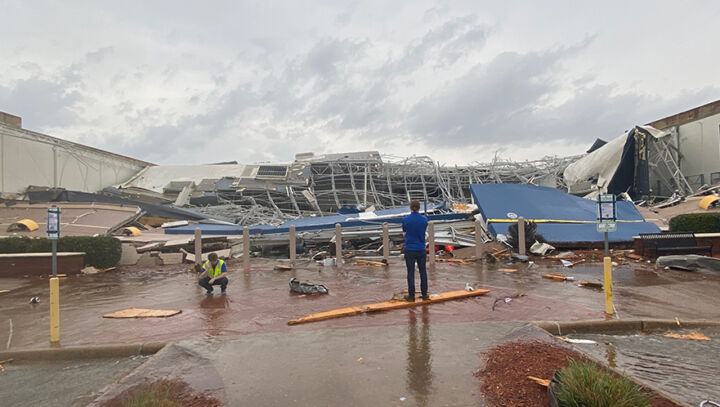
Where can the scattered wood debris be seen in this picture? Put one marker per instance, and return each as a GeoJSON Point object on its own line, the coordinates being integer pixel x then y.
{"type": "Point", "coordinates": [142, 313]}
{"type": "Point", "coordinates": [542, 382]}
{"type": "Point", "coordinates": [364, 262]}
{"type": "Point", "coordinates": [283, 267]}
{"type": "Point", "coordinates": [3, 362]}
{"type": "Point", "coordinates": [590, 284]}
{"type": "Point", "coordinates": [696, 336]}
{"type": "Point", "coordinates": [556, 277]}
{"type": "Point", "coordinates": [455, 261]}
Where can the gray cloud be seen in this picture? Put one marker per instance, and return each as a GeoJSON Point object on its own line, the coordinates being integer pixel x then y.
{"type": "Point", "coordinates": [259, 83]}
{"type": "Point", "coordinates": [42, 103]}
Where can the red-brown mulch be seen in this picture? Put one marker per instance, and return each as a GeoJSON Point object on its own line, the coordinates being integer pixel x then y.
{"type": "Point", "coordinates": [179, 393]}
{"type": "Point", "coordinates": [504, 378]}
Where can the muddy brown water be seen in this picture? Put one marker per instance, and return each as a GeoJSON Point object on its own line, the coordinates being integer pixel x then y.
{"type": "Point", "coordinates": [259, 300]}
{"type": "Point", "coordinates": [687, 370]}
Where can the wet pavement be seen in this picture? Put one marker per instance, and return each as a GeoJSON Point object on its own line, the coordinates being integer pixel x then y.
{"type": "Point", "coordinates": [419, 364]}
{"type": "Point", "coordinates": [61, 383]}
{"type": "Point", "coordinates": [687, 370]}
{"type": "Point", "coordinates": [240, 349]}
{"type": "Point", "coordinates": [260, 301]}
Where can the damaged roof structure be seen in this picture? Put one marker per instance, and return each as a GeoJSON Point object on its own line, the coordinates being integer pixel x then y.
{"type": "Point", "coordinates": [645, 163]}
{"type": "Point", "coordinates": [562, 219]}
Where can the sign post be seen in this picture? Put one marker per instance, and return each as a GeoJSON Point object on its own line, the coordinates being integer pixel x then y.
{"type": "Point", "coordinates": [607, 223]}
{"type": "Point", "coordinates": [53, 233]}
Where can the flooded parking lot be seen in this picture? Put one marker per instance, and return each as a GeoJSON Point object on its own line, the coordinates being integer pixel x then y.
{"type": "Point", "coordinates": [259, 300]}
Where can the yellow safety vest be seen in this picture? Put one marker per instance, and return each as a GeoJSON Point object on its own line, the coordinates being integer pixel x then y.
{"type": "Point", "coordinates": [213, 271]}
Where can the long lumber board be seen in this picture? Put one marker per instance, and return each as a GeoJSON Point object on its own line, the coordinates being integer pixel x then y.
{"type": "Point", "coordinates": [386, 305]}
{"type": "Point", "coordinates": [142, 313]}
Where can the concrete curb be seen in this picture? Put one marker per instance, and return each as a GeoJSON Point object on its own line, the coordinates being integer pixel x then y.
{"type": "Point", "coordinates": [621, 326]}
{"type": "Point", "coordinates": [84, 352]}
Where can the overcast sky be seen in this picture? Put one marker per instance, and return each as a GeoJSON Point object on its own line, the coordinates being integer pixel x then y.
{"type": "Point", "coordinates": [176, 82]}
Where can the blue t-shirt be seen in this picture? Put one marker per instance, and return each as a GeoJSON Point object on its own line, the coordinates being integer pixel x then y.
{"type": "Point", "coordinates": [414, 226]}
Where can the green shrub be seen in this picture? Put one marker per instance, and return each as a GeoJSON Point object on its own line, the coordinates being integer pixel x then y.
{"type": "Point", "coordinates": [100, 251]}
{"type": "Point", "coordinates": [583, 384]}
{"type": "Point", "coordinates": [696, 223]}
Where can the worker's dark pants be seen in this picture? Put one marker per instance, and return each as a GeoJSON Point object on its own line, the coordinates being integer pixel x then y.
{"type": "Point", "coordinates": [205, 283]}
{"type": "Point", "coordinates": [419, 256]}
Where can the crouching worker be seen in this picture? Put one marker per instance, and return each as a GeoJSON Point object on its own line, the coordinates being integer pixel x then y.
{"type": "Point", "coordinates": [214, 272]}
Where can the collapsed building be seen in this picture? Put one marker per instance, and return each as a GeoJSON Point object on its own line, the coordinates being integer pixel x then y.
{"type": "Point", "coordinates": [646, 164]}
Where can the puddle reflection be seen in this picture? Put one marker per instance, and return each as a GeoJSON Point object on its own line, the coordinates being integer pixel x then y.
{"type": "Point", "coordinates": [419, 356]}
{"type": "Point", "coordinates": [213, 310]}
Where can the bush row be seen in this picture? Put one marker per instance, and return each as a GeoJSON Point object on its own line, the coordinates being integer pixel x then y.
{"type": "Point", "coordinates": [696, 223]}
{"type": "Point", "coordinates": [100, 251]}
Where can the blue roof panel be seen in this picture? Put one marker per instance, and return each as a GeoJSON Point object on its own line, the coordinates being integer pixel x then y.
{"type": "Point", "coordinates": [509, 201]}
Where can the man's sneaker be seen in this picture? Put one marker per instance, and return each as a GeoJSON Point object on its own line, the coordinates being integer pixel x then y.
{"type": "Point", "coordinates": [223, 292]}
{"type": "Point", "coordinates": [409, 298]}
{"type": "Point", "coordinates": [208, 292]}
{"type": "Point", "coordinates": [425, 297]}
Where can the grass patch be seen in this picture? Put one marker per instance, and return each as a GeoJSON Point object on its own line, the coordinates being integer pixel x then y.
{"type": "Point", "coordinates": [162, 393]}
{"type": "Point", "coordinates": [158, 394]}
{"type": "Point", "coordinates": [583, 384]}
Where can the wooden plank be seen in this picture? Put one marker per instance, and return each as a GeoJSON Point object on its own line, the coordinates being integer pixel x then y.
{"type": "Point", "coordinates": [364, 262]}
{"type": "Point", "coordinates": [386, 305]}
{"type": "Point", "coordinates": [555, 276]}
{"type": "Point", "coordinates": [142, 313]}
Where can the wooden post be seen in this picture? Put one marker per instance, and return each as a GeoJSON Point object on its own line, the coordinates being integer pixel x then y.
{"type": "Point", "coordinates": [246, 248]}
{"type": "Point", "coordinates": [521, 235]}
{"type": "Point", "coordinates": [386, 242]}
{"type": "Point", "coordinates": [292, 244]}
{"type": "Point", "coordinates": [338, 245]}
{"type": "Point", "coordinates": [431, 244]}
{"type": "Point", "coordinates": [478, 240]}
{"type": "Point", "coordinates": [198, 246]}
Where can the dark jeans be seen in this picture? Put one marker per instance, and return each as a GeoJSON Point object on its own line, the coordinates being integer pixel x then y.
{"type": "Point", "coordinates": [205, 283]}
{"type": "Point", "coordinates": [419, 256]}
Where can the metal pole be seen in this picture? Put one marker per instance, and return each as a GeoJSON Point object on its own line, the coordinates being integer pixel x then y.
{"type": "Point", "coordinates": [293, 254]}
{"type": "Point", "coordinates": [386, 242]}
{"type": "Point", "coordinates": [431, 244]}
{"type": "Point", "coordinates": [246, 248]}
{"type": "Point", "coordinates": [338, 245]}
{"type": "Point", "coordinates": [607, 266]}
{"type": "Point", "coordinates": [607, 246]}
{"type": "Point", "coordinates": [54, 310]}
{"type": "Point", "coordinates": [521, 235]}
{"type": "Point", "coordinates": [54, 257]}
{"type": "Point", "coordinates": [365, 187]}
{"type": "Point", "coordinates": [607, 269]}
{"type": "Point", "coordinates": [53, 232]}
{"type": "Point", "coordinates": [198, 246]}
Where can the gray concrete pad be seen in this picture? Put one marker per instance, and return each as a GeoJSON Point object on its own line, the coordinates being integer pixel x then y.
{"type": "Point", "coordinates": [61, 382]}
{"type": "Point", "coordinates": [420, 364]}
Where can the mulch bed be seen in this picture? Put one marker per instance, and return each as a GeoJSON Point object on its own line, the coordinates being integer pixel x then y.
{"type": "Point", "coordinates": [504, 378]}
{"type": "Point", "coordinates": [179, 394]}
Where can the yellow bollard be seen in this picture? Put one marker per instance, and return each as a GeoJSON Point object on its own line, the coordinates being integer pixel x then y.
{"type": "Point", "coordinates": [54, 310]}
{"type": "Point", "coordinates": [607, 266]}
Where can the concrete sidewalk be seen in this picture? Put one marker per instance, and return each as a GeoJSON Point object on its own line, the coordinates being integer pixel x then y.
{"type": "Point", "coordinates": [418, 364]}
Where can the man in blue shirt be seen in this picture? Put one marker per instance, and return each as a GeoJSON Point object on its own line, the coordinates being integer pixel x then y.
{"type": "Point", "coordinates": [214, 272]}
{"type": "Point", "coordinates": [414, 226]}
